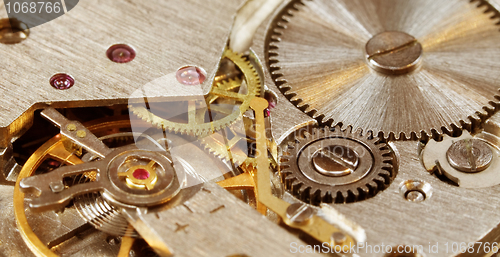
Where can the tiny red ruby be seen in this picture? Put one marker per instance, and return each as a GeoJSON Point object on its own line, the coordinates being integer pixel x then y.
{"type": "Point", "coordinates": [62, 81]}
{"type": "Point", "coordinates": [120, 53]}
{"type": "Point", "coordinates": [191, 75]}
{"type": "Point", "coordinates": [271, 100]}
{"type": "Point", "coordinates": [141, 174]}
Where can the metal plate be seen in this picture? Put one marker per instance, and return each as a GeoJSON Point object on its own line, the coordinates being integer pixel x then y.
{"type": "Point", "coordinates": [166, 36]}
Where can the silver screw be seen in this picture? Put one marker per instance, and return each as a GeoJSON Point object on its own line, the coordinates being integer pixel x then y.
{"type": "Point", "coordinates": [335, 161]}
{"type": "Point", "coordinates": [299, 213]}
{"type": "Point", "coordinates": [470, 155]}
{"type": "Point", "coordinates": [393, 52]}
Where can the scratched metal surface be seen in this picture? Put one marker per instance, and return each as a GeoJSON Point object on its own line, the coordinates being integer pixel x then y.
{"type": "Point", "coordinates": [165, 34]}
{"type": "Point", "coordinates": [316, 56]}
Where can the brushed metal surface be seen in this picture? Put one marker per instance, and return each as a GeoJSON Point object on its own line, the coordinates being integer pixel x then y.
{"type": "Point", "coordinates": [285, 117]}
{"type": "Point", "coordinates": [316, 55]}
{"type": "Point", "coordinates": [215, 223]}
{"type": "Point", "coordinates": [451, 214]}
{"type": "Point", "coordinates": [165, 34]}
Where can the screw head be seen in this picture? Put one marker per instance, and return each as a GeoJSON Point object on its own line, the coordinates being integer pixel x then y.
{"type": "Point", "coordinates": [81, 134]}
{"type": "Point", "coordinates": [393, 52]}
{"type": "Point", "coordinates": [470, 155]}
{"type": "Point", "coordinates": [335, 161]}
{"type": "Point", "coordinates": [71, 127]}
{"type": "Point", "coordinates": [299, 213]}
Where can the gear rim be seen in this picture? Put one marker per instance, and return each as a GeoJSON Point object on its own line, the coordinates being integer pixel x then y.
{"type": "Point", "coordinates": [379, 177]}
{"type": "Point", "coordinates": [253, 83]}
{"type": "Point", "coordinates": [450, 126]}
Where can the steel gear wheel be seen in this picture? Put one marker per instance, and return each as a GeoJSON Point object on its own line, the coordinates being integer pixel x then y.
{"type": "Point", "coordinates": [337, 166]}
{"type": "Point", "coordinates": [337, 61]}
{"type": "Point", "coordinates": [220, 101]}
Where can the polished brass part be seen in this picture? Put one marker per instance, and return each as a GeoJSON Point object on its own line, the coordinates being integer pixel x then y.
{"type": "Point", "coordinates": [148, 183]}
{"type": "Point", "coordinates": [126, 246]}
{"type": "Point", "coordinates": [12, 31]}
{"type": "Point", "coordinates": [220, 92]}
{"type": "Point", "coordinates": [81, 134]}
{"type": "Point", "coordinates": [316, 55]}
{"type": "Point", "coordinates": [53, 148]}
{"type": "Point", "coordinates": [393, 52]}
{"type": "Point", "coordinates": [31, 239]}
{"type": "Point", "coordinates": [71, 127]}
{"type": "Point", "coordinates": [316, 227]}
{"type": "Point", "coordinates": [245, 181]}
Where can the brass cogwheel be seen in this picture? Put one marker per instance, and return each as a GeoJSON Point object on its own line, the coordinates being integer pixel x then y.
{"type": "Point", "coordinates": [401, 69]}
{"type": "Point", "coordinates": [232, 144]}
{"type": "Point", "coordinates": [235, 143]}
{"type": "Point", "coordinates": [219, 105]}
{"type": "Point", "coordinates": [337, 166]}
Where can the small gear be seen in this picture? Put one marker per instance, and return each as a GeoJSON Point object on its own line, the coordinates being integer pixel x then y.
{"type": "Point", "coordinates": [218, 109]}
{"type": "Point", "coordinates": [401, 69]}
{"type": "Point", "coordinates": [232, 144]}
{"type": "Point", "coordinates": [337, 166]}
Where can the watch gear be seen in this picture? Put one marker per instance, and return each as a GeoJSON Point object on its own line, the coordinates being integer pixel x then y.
{"type": "Point", "coordinates": [221, 100]}
{"type": "Point", "coordinates": [337, 166]}
{"type": "Point", "coordinates": [402, 69]}
{"type": "Point", "coordinates": [231, 144]}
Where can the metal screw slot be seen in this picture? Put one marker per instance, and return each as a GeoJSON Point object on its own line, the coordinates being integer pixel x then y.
{"type": "Point", "coordinates": [335, 161]}
{"type": "Point", "coordinates": [393, 52]}
{"type": "Point", "coordinates": [469, 155]}
{"type": "Point", "coordinates": [299, 213]}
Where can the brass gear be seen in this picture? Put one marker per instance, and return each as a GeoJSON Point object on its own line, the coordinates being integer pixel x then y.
{"type": "Point", "coordinates": [371, 166]}
{"type": "Point", "coordinates": [225, 93]}
{"type": "Point", "coordinates": [230, 144]}
{"type": "Point", "coordinates": [234, 144]}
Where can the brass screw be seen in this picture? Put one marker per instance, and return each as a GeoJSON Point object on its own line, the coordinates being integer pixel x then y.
{"type": "Point", "coordinates": [81, 134]}
{"type": "Point", "coordinates": [71, 127]}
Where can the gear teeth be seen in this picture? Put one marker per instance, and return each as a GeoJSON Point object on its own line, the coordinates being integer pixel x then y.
{"type": "Point", "coordinates": [198, 130]}
{"type": "Point", "coordinates": [276, 33]}
{"type": "Point", "coordinates": [298, 183]}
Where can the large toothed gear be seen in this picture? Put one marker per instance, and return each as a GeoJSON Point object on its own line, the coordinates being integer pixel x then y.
{"type": "Point", "coordinates": [219, 105]}
{"type": "Point", "coordinates": [337, 166]}
{"type": "Point", "coordinates": [402, 69]}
